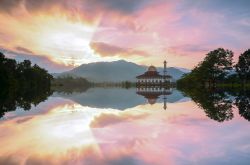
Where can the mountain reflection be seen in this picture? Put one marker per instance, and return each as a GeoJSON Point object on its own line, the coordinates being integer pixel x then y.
{"type": "Point", "coordinates": [218, 103]}
{"type": "Point", "coordinates": [120, 98]}
{"type": "Point", "coordinates": [113, 98]}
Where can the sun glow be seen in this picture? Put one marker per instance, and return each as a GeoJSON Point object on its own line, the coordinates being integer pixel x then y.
{"type": "Point", "coordinates": [68, 42]}
{"type": "Point", "coordinates": [55, 130]}
{"type": "Point", "coordinates": [60, 39]}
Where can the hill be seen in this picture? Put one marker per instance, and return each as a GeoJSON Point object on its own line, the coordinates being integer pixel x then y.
{"type": "Point", "coordinates": [116, 71]}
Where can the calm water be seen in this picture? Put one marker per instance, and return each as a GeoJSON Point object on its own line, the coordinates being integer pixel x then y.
{"type": "Point", "coordinates": [120, 127]}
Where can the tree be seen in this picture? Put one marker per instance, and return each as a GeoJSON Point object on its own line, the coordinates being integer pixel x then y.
{"type": "Point", "coordinates": [22, 76]}
{"type": "Point", "coordinates": [243, 66]}
{"type": "Point", "coordinates": [21, 84]}
{"type": "Point", "coordinates": [217, 64]}
{"type": "Point", "coordinates": [215, 67]}
{"type": "Point", "coordinates": [243, 104]}
{"type": "Point", "coordinates": [216, 103]}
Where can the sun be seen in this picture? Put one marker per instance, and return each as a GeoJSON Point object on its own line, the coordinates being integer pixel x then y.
{"type": "Point", "coordinates": [57, 37]}
{"type": "Point", "coordinates": [67, 42]}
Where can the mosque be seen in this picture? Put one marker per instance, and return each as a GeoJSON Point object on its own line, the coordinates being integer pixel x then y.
{"type": "Point", "coordinates": [153, 78]}
{"type": "Point", "coordinates": [152, 85]}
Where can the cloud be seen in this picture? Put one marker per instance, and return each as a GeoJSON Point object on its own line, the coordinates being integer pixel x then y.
{"type": "Point", "coordinates": [126, 6]}
{"type": "Point", "coordinates": [9, 5]}
{"type": "Point", "coordinates": [187, 49]}
{"type": "Point", "coordinates": [25, 119]}
{"type": "Point", "coordinates": [106, 119]}
{"type": "Point", "coordinates": [24, 50]}
{"type": "Point", "coordinates": [8, 160]}
{"type": "Point", "coordinates": [125, 160]}
{"type": "Point", "coordinates": [106, 50]}
{"type": "Point", "coordinates": [127, 28]}
{"type": "Point", "coordinates": [76, 156]}
{"type": "Point", "coordinates": [87, 9]}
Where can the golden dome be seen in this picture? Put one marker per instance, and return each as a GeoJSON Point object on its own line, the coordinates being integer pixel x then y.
{"type": "Point", "coordinates": [152, 69]}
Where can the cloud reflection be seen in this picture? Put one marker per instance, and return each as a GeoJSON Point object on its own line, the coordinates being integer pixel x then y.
{"type": "Point", "coordinates": [68, 133]}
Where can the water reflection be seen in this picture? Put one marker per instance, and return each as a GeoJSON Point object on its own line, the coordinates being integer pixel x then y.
{"type": "Point", "coordinates": [82, 128]}
{"type": "Point", "coordinates": [119, 98]}
{"type": "Point", "coordinates": [243, 104]}
{"type": "Point", "coordinates": [218, 103]}
{"type": "Point", "coordinates": [153, 93]}
{"type": "Point", "coordinates": [11, 100]}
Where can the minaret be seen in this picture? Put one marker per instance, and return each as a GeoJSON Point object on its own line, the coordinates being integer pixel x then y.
{"type": "Point", "coordinates": [165, 71]}
{"type": "Point", "coordinates": [165, 101]}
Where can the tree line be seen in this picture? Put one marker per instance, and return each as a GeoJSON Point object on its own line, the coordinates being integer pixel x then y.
{"type": "Point", "coordinates": [22, 84]}
{"type": "Point", "coordinates": [22, 76]}
{"type": "Point", "coordinates": [218, 68]}
{"type": "Point", "coordinates": [69, 84]}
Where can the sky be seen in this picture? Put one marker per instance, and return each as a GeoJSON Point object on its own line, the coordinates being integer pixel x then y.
{"type": "Point", "coordinates": [62, 34]}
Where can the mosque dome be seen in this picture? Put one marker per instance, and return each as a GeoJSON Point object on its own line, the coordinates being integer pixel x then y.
{"type": "Point", "coordinates": [152, 69]}
{"type": "Point", "coordinates": [152, 101]}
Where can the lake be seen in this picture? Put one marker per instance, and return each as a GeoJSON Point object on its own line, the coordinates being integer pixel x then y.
{"type": "Point", "coordinates": [115, 126]}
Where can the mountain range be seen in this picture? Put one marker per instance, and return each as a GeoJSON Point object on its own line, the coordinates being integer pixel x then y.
{"type": "Point", "coordinates": [116, 71]}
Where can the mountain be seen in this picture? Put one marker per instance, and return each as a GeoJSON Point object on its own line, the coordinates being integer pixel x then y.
{"type": "Point", "coordinates": [183, 69]}
{"type": "Point", "coordinates": [116, 71]}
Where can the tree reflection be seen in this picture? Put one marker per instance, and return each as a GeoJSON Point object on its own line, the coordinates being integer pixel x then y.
{"type": "Point", "coordinates": [243, 104]}
{"type": "Point", "coordinates": [216, 103]}
{"type": "Point", "coordinates": [10, 100]}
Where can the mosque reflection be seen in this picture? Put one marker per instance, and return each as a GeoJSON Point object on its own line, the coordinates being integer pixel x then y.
{"type": "Point", "coordinates": [154, 93]}
{"type": "Point", "coordinates": [121, 98]}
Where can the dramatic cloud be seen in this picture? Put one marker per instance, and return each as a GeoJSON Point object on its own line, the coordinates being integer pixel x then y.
{"type": "Point", "coordinates": [104, 49]}
{"type": "Point", "coordinates": [83, 31]}
{"type": "Point", "coordinates": [84, 8]}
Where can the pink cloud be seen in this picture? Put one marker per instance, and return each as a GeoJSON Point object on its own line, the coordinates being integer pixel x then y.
{"type": "Point", "coordinates": [105, 49]}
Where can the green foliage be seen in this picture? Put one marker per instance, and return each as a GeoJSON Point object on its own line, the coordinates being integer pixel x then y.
{"type": "Point", "coordinates": [124, 84]}
{"type": "Point", "coordinates": [215, 103]}
{"type": "Point", "coordinates": [243, 66]}
{"type": "Point", "coordinates": [215, 67]}
{"type": "Point", "coordinates": [243, 104]}
{"type": "Point", "coordinates": [11, 100]}
{"type": "Point", "coordinates": [127, 84]}
{"type": "Point", "coordinates": [21, 84]}
{"type": "Point", "coordinates": [69, 84]}
{"type": "Point", "coordinates": [218, 103]}
{"type": "Point", "coordinates": [22, 76]}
